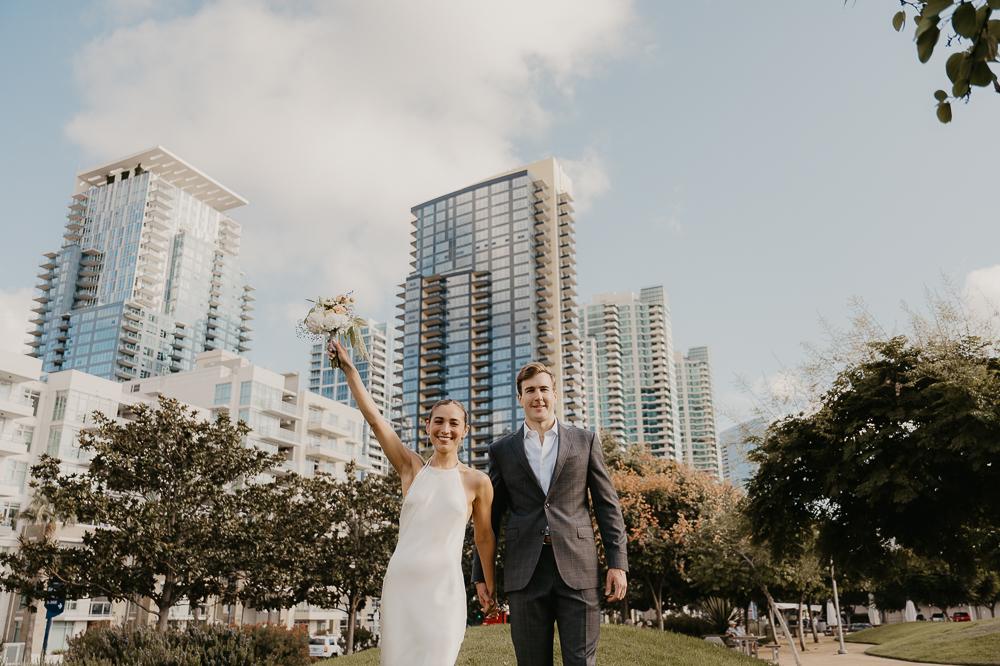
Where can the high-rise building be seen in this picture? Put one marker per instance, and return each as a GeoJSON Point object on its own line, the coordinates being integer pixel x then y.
{"type": "Point", "coordinates": [493, 287]}
{"type": "Point", "coordinates": [147, 275]}
{"type": "Point", "coordinates": [734, 444]}
{"type": "Point", "coordinates": [631, 388]}
{"type": "Point", "coordinates": [696, 412]}
{"type": "Point", "coordinates": [378, 373]}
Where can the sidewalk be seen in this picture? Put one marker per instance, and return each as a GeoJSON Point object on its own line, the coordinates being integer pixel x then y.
{"type": "Point", "coordinates": [824, 653]}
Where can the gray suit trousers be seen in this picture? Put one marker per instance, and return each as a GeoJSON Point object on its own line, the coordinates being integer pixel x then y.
{"type": "Point", "coordinates": [547, 598]}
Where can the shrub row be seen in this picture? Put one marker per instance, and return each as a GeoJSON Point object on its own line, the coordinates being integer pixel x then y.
{"type": "Point", "coordinates": [197, 645]}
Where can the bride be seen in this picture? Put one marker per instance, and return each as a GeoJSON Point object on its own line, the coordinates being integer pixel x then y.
{"type": "Point", "coordinates": [423, 607]}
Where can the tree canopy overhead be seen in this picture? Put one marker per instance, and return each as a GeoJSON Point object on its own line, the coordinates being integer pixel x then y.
{"type": "Point", "coordinates": [969, 29]}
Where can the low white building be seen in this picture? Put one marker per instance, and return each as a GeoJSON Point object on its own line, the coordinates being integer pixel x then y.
{"type": "Point", "coordinates": [45, 415]}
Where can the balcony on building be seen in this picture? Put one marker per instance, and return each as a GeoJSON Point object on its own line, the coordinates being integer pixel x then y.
{"type": "Point", "coordinates": [326, 422]}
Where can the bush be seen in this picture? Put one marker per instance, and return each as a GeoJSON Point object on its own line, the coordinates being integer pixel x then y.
{"type": "Point", "coordinates": [363, 639]}
{"type": "Point", "coordinates": [718, 611]}
{"type": "Point", "coordinates": [688, 625]}
{"type": "Point", "coordinates": [196, 645]}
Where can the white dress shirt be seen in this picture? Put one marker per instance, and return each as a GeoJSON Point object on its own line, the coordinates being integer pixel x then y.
{"type": "Point", "coordinates": [542, 453]}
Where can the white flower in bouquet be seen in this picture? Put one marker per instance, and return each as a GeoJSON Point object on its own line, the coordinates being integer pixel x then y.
{"type": "Point", "coordinates": [334, 318]}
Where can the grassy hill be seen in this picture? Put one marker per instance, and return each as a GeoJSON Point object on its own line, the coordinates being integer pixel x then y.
{"type": "Point", "coordinates": [975, 643]}
{"type": "Point", "coordinates": [625, 646]}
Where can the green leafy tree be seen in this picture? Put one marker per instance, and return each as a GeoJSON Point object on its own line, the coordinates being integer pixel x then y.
{"type": "Point", "coordinates": [158, 506]}
{"type": "Point", "coordinates": [662, 503]}
{"type": "Point", "coordinates": [904, 439]}
{"type": "Point", "coordinates": [352, 559]}
{"type": "Point", "coordinates": [986, 590]}
{"type": "Point", "coordinates": [283, 538]}
{"type": "Point", "coordinates": [966, 27]}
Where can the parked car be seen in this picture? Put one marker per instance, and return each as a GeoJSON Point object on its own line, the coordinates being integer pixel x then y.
{"type": "Point", "coordinates": [937, 617]}
{"type": "Point", "coordinates": [920, 617]}
{"type": "Point", "coordinates": [859, 626]}
{"type": "Point", "coordinates": [961, 616]}
{"type": "Point", "coordinates": [324, 647]}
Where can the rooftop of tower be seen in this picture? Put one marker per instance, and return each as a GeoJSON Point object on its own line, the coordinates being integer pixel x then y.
{"type": "Point", "coordinates": [547, 168]}
{"type": "Point", "coordinates": [170, 168]}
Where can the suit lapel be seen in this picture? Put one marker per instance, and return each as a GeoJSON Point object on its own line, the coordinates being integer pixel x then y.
{"type": "Point", "coordinates": [567, 440]}
{"type": "Point", "coordinates": [517, 443]}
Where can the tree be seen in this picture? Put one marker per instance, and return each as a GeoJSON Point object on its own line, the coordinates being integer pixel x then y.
{"type": "Point", "coordinates": [662, 503]}
{"type": "Point", "coordinates": [162, 506]}
{"type": "Point", "coordinates": [283, 538]}
{"type": "Point", "coordinates": [967, 25]}
{"type": "Point", "coordinates": [904, 439]}
{"type": "Point", "coordinates": [986, 591]}
{"type": "Point", "coordinates": [352, 559]}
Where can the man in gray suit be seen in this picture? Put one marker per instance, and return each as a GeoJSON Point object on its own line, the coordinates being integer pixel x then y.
{"type": "Point", "coordinates": [541, 474]}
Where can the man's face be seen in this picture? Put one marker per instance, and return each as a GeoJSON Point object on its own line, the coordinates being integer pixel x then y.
{"type": "Point", "coordinates": [538, 397]}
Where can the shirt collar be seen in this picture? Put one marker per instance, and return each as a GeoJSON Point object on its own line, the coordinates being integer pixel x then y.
{"type": "Point", "coordinates": [529, 432]}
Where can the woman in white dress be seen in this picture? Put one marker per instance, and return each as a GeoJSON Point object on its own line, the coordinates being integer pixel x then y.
{"type": "Point", "coordinates": [423, 609]}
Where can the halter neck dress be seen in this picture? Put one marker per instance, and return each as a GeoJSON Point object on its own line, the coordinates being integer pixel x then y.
{"type": "Point", "coordinates": [423, 611]}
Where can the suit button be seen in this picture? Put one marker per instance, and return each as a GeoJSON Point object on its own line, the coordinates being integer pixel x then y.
{"type": "Point", "coordinates": [546, 505]}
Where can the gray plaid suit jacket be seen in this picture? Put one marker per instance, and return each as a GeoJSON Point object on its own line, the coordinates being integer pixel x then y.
{"type": "Point", "coordinates": [579, 468]}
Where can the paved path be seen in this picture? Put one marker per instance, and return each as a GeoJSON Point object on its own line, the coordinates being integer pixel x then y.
{"type": "Point", "coordinates": [825, 654]}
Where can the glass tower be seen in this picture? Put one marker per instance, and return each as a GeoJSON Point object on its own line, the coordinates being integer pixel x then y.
{"type": "Point", "coordinates": [378, 374]}
{"type": "Point", "coordinates": [632, 388]}
{"type": "Point", "coordinates": [696, 411]}
{"type": "Point", "coordinates": [493, 287]}
{"type": "Point", "coordinates": [147, 275]}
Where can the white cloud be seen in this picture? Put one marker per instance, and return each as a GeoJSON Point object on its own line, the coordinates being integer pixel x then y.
{"type": "Point", "coordinates": [15, 311]}
{"type": "Point", "coordinates": [333, 119]}
{"type": "Point", "coordinates": [981, 294]}
{"type": "Point", "coordinates": [590, 179]}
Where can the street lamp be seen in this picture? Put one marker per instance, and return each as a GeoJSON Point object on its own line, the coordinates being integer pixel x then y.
{"type": "Point", "coordinates": [836, 607]}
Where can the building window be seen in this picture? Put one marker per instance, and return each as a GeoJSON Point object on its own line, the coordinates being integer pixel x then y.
{"type": "Point", "coordinates": [222, 393]}
{"type": "Point", "coordinates": [246, 391]}
{"type": "Point", "coordinates": [59, 406]}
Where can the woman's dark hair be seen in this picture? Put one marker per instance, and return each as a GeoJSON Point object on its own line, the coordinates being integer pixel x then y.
{"type": "Point", "coordinates": [448, 401]}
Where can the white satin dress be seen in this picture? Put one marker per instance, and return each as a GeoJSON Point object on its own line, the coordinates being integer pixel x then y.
{"type": "Point", "coordinates": [423, 608]}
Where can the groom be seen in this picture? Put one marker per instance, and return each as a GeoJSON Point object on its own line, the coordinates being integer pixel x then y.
{"type": "Point", "coordinates": [542, 474]}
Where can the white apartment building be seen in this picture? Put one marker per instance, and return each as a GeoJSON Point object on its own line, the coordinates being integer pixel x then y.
{"type": "Point", "coordinates": [629, 370]}
{"type": "Point", "coordinates": [696, 412]}
{"type": "Point", "coordinates": [39, 416]}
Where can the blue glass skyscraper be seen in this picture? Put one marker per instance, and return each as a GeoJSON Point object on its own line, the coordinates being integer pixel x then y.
{"type": "Point", "coordinates": [493, 287]}
{"type": "Point", "coordinates": [147, 275]}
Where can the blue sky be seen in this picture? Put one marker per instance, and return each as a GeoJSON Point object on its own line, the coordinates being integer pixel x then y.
{"type": "Point", "coordinates": [766, 162]}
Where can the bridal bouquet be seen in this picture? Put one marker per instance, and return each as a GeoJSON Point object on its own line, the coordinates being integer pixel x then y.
{"type": "Point", "coordinates": [333, 318]}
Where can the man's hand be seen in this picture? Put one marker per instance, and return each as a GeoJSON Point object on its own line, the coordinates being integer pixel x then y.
{"type": "Point", "coordinates": [485, 597]}
{"type": "Point", "coordinates": [614, 588]}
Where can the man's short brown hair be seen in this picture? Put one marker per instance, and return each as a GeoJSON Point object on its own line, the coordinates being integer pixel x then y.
{"type": "Point", "coordinates": [530, 370]}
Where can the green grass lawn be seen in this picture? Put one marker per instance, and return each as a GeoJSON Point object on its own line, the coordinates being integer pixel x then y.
{"type": "Point", "coordinates": [942, 642]}
{"type": "Point", "coordinates": [624, 646]}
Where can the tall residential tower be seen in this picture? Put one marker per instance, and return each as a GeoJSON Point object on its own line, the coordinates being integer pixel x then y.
{"type": "Point", "coordinates": [696, 412]}
{"type": "Point", "coordinates": [493, 287]}
{"type": "Point", "coordinates": [148, 273]}
{"type": "Point", "coordinates": [631, 388]}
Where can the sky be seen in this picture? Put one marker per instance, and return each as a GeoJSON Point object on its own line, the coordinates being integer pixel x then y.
{"type": "Point", "coordinates": [767, 163]}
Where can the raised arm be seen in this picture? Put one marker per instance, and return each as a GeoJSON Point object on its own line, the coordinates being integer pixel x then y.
{"type": "Point", "coordinates": [405, 461]}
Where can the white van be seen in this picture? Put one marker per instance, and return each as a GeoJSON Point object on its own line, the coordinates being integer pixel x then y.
{"type": "Point", "coordinates": [323, 646]}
